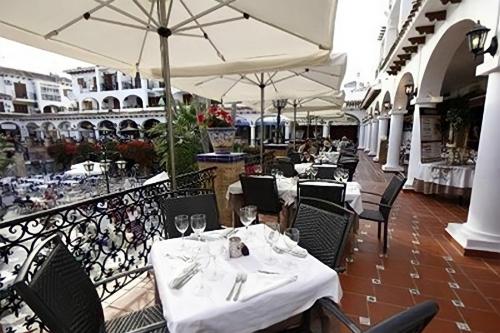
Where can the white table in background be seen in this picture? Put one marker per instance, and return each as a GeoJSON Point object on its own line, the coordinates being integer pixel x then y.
{"type": "Point", "coordinates": [186, 312]}
{"type": "Point", "coordinates": [287, 190]}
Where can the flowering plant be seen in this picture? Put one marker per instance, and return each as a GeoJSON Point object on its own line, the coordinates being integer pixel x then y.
{"type": "Point", "coordinates": [215, 116]}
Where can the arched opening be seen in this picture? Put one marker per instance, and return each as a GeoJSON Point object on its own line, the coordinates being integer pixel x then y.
{"type": "Point", "coordinates": [132, 101]}
{"type": "Point", "coordinates": [448, 131]}
{"type": "Point", "coordinates": [9, 130]}
{"type": "Point", "coordinates": [106, 128]}
{"type": "Point", "coordinates": [386, 103]}
{"type": "Point", "coordinates": [110, 103]}
{"type": "Point", "coordinates": [405, 92]}
{"type": "Point", "coordinates": [129, 129]}
{"type": "Point", "coordinates": [89, 104]}
{"type": "Point", "coordinates": [50, 109]}
{"type": "Point", "coordinates": [344, 125]}
{"type": "Point", "coordinates": [65, 129]}
{"type": "Point", "coordinates": [34, 132]}
{"type": "Point", "coordinates": [86, 129]}
{"type": "Point", "coordinates": [376, 110]}
{"type": "Point", "coordinates": [242, 130]}
{"type": "Point", "coordinates": [147, 125]}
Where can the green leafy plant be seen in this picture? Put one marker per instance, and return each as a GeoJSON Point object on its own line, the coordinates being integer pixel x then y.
{"type": "Point", "coordinates": [459, 114]}
{"type": "Point", "coordinates": [186, 136]}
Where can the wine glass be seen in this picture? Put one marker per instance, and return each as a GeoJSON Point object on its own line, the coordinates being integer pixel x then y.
{"type": "Point", "coordinates": [291, 239]}
{"type": "Point", "coordinates": [341, 175]}
{"type": "Point", "coordinates": [271, 235]}
{"type": "Point", "coordinates": [182, 225]}
{"type": "Point", "coordinates": [314, 172]}
{"type": "Point", "coordinates": [248, 214]}
{"type": "Point", "coordinates": [198, 224]}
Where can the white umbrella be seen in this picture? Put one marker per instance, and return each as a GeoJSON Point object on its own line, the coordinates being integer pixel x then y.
{"type": "Point", "coordinates": [297, 83]}
{"type": "Point", "coordinates": [79, 170]}
{"type": "Point", "coordinates": [161, 177]}
{"type": "Point", "coordinates": [203, 37]}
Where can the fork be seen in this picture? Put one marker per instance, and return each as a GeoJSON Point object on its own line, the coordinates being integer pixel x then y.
{"type": "Point", "coordinates": [236, 280]}
{"type": "Point", "coordinates": [243, 280]}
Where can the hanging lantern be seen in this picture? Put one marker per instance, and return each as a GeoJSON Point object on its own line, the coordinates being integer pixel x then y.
{"type": "Point", "coordinates": [477, 38]}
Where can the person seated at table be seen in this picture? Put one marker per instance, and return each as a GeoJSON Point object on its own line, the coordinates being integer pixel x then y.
{"type": "Point", "coordinates": [305, 146]}
{"type": "Point", "coordinates": [327, 146]}
{"type": "Point", "coordinates": [344, 143]}
{"type": "Point", "coordinates": [307, 157]}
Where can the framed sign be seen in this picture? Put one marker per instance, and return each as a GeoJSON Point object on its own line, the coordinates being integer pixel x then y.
{"type": "Point", "coordinates": [430, 135]}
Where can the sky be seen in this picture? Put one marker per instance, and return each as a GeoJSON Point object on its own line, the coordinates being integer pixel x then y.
{"type": "Point", "coordinates": [357, 27]}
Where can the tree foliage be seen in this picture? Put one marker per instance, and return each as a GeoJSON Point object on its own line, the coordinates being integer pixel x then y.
{"type": "Point", "coordinates": [5, 159]}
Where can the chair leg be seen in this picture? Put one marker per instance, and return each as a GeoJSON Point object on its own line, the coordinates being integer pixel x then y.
{"type": "Point", "coordinates": [385, 237]}
{"type": "Point", "coordinates": [379, 230]}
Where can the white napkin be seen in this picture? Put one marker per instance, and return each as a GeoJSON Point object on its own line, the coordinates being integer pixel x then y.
{"type": "Point", "coordinates": [212, 235]}
{"type": "Point", "coordinates": [297, 251]}
{"type": "Point", "coordinates": [258, 284]}
{"type": "Point", "coordinates": [182, 273]}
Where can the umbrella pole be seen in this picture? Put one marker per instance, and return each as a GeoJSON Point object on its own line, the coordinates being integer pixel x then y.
{"type": "Point", "coordinates": [294, 124]}
{"type": "Point", "coordinates": [262, 86]}
{"type": "Point", "coordinates": [308, 124]}
{"type": "Point", "coordinates": [165, 70]}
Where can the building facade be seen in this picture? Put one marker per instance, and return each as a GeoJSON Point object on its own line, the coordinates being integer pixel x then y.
{"type": "Point", "coordinates": [426, 70]}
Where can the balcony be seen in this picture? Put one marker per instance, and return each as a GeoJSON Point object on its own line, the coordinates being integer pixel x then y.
{"type": "Point", "coordinates": [99, 234]}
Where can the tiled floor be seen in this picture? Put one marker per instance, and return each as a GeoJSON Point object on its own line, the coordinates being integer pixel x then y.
{"type": "Point", "coordinates": [421, 264]}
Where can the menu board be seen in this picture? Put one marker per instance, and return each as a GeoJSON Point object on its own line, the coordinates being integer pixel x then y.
{"type": "Point", "coordinates": [430, 135]}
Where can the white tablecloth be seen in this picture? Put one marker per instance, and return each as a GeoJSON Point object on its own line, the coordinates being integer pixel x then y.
{"type": "Point", "coordinates": [460, 176]}
{"type": "Point", "coordinates": [302, 167]}
{"type": "Point", "coordinates": [186, 312]}
{"type": "Point", "coordinates": [287, 190]}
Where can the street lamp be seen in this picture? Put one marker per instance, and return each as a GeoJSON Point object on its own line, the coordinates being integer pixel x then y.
{"type": "Point", "coordinates": [279, 104]}
{"type": "Point", "coordinates": [105, 166]}
{"type": "Point", "coordinates": [409, 89]}
{"type": "Point", "coordinates": [477, 38]}
{"type": "Point", "coordinates": [88, 166]}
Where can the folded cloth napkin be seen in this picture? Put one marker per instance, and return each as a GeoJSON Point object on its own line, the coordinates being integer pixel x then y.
{"type": "Point", "coordinates": [212, 235]}
{"type": "Point", "coordinates": [183, 273]}
{"type": "Point", "coordinates": [296, 251]}
{"type": "Point", "coordinates": [258, 284]}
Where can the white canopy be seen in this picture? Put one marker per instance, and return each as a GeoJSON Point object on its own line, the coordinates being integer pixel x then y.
{"type": "Point", "coordinates": [298, 82]}
{"type": "Point", "coordinates": [161, 177]}
{"type": "Point", "coordinates": [79, 170]}
{"type": "Point", "coordinates": [208, 36]}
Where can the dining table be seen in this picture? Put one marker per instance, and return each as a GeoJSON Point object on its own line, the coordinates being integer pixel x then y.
{"type": "Point", "coordinates": [278, 284]}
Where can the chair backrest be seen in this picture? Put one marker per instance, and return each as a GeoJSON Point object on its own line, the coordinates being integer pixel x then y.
{"type": "Point", "coordinates": [350, 164]}
{"type": "Point", "coordinates": [60, 293]}
{"type": "Point", "coordinates": [413, 320]}
{"type": "Point", "coordinates": [391, 193]}
{"type": "Point", "coordinates": [189, 202]}
{"type": "Point", "coordinates": [294, 157]}
{"type": "Point", "coordinates": [328, 190]}
{"type": "Point", "coordinates": [261, 191]}
{"type": "Point", "coordinates": [325, 171]}
{"type": "Point", "coordinates": [287, 167]}
{"type": "Point", "coordinates": [323, 231]}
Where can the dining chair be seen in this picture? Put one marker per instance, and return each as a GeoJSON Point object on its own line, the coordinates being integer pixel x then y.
{"type": "Point", "coordinates": [324, 189]}
{"type": "Point", "coordinates": [64, 298]}
{"type": "Point", "coordinates": [324, 229]}
{"type": "Point", "coordinates": [285, 166]}
{"type": "Point", "coordinates": [294, 157]}
{"type": "Point", "coordinates": [412, 320]}
{"type": "Point", "coordinates": [261, 191]}
{"type": "Point", "coordinates": [381, 215]}
{"type": "Point", "coordinates": [350, 164]}
{"type": "Point", "coordinates": [188, 202]}
{"type": "Point", "coordinates": [325, 171]}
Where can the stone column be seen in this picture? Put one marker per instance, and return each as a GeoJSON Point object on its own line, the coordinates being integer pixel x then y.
{"type": "Point", "coordinates": [373, 138]}
{"type": "Point", "coordinates": [368, 136]}
{"type": "Point", "coordinates": [395, 137]}
{"type": "Point", "coordinates": [252, 135]}
{"type": "Point", "coordinates": [229, 168]}
{"type": "Point", "coordinates": [326, 130]}
{"type": "Point", "coordinates": [288, 130]}
{"type": "Point", "coordinates": [383, 126]}
{"type": "Point", "coordinates": [119, 80]}
{"type": "Point", "coordinates": [482, 230]}
{"type": "Point", "coordinates": [361, 140]}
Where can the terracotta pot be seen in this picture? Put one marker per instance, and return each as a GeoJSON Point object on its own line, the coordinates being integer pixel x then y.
{"type": "Point", "coordinates": [222, 139]}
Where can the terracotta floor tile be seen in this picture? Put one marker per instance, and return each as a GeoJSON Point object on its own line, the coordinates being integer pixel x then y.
{"type": "Point", "coordinates": [354, 304]}
{"type": "Point", "coordinates": [397, 278]}
{"type": "Point", "coordinates": [442, 326]}
{"type": "Point", "coordinates": [433, 273]}
{"type": "Point", "coordinates": [495, 303]}
{"type": "Point", "coordinates": [356, 285]}
{"type": "Point", "coordinates": [492, 290]}
{"type": "Point", "coordinates": [480, 273]}
{"type": "Point", "coordinates": [436, 289]}
{"type": "Point", "coordinates": [380, 311]}
{"type": "Point", "coordinates": [393, 295]}
{"type": "Point", "coordinates": [481, 321]}
{"type": "Point", "coordinates": [447, 310]}
{"type": "Point", "coordinates": [463, 281]}
{"type": "Point", "coordinates": [474, 300]}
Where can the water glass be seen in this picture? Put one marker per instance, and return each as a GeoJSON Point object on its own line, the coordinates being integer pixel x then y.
{"type": "Point", "coordinates": [198, 224]}
{"type": "Point", "coordinates": [182, 225]}
{"type": "Point", "coordinates": [271, 235]}
{"type": "Point", "coordinates": [291, 239]}
{"type": "Point", "coordinates": [314, 172]}
{"type": "Point", "coordinates": [248, 214]}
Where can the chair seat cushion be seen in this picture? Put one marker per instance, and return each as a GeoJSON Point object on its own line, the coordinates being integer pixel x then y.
{"type": "Point", "coordinates": [137, 320]}
{"type": "Point", "coordinates": [372, 215]}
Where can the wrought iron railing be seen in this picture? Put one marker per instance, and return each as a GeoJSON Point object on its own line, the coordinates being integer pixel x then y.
{"type": "Point", "coordinates": [109, 234]}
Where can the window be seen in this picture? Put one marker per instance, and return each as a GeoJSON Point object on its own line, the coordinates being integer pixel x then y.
{"type": "Point", "coordinates": [2, 107]}
{"type": "Point", "coordinates": [82, 83]}
{"type": "Point", "coordinates": [20, 90]}
{"type": "Point", "coordinates": [20, 108]}
{"type": "Point", "coordinates": [50, 92]}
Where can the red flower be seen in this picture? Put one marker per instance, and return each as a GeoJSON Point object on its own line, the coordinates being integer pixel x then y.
{"type": "Point", "coordinates": [200, 118]}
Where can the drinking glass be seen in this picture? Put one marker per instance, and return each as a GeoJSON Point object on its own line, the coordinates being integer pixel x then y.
{"type": "Point", "coordinates": [182, 225]}
{"type": "Point", "coordinates": [248, 214]}
{"type": "Point", "coordinates": [204, 258]}
{"type": "Point", "coordinates": [271, 235]}
{"type": "Point", "coordinates": [198, 224]}
{"type": "Point", "coordinates": [314, 172]}
{"type": "Point", "coordinates": [291, 239]}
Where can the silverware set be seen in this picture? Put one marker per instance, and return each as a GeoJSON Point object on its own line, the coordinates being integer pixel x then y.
{"type": "Point", "coordinates": [240, 279]}
{"type": "Point", "coordinates": [188, 277]}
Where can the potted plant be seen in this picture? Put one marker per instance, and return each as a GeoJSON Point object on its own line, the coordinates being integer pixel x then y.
{"type": "Point", "coordinates": [221, 131]}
